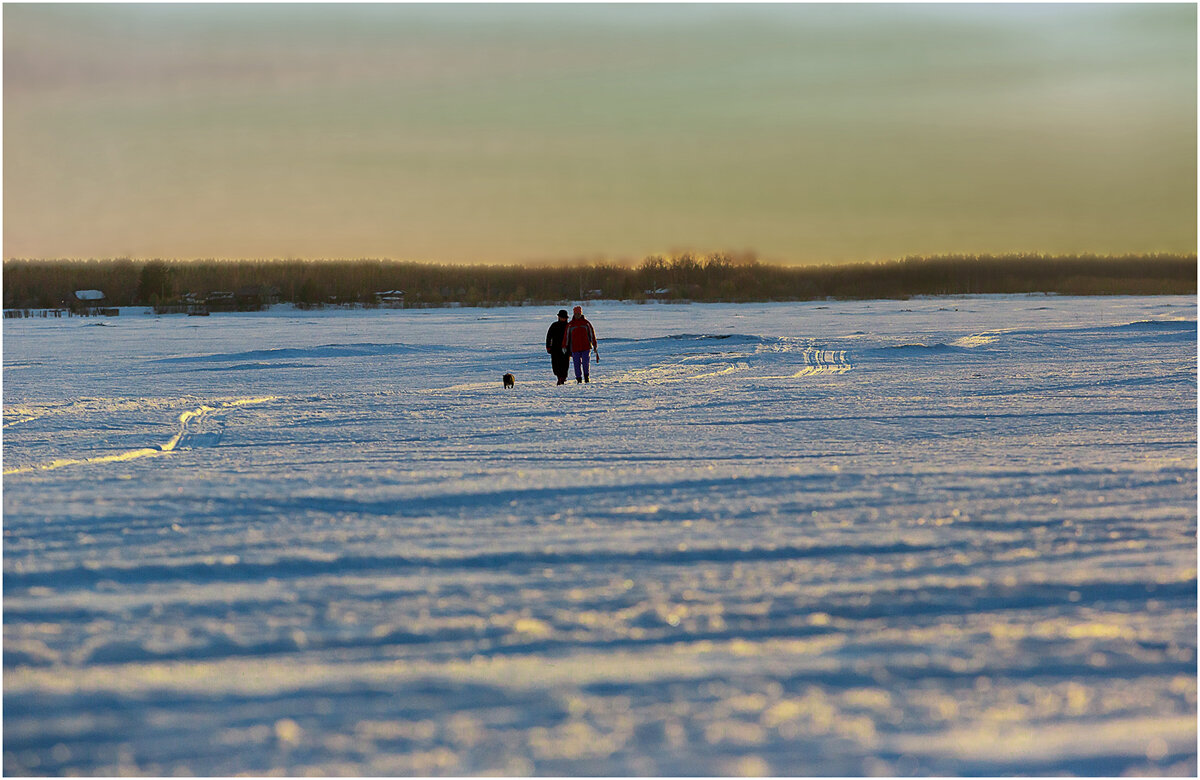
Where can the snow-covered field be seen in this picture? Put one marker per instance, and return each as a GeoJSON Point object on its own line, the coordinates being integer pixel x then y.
{"type": "Point", "coordinates": [952, 536]}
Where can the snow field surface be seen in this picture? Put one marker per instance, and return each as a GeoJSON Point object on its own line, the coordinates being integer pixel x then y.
{"type": "Point", "coordinates": [940, 536]}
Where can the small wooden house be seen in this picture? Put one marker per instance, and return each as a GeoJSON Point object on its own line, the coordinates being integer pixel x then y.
{"type": "Point", "coordinates": [391, 299]}
{"type": "Point", "coordinates": [90, 302]}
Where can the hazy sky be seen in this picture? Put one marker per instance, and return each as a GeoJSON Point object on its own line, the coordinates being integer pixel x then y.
{"type": "Point", "coordinates": [507, 133]}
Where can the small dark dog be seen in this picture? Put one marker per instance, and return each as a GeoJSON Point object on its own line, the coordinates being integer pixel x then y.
{"type": "Point", "coordinates": [509, 381]}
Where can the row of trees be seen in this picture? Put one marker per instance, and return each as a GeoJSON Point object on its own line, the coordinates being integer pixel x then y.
{"type": "Point", "coordinates": [686, 276]}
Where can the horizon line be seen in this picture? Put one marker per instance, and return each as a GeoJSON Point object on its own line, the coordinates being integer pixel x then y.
{"type": "Point", "coordinates": [745, 256]}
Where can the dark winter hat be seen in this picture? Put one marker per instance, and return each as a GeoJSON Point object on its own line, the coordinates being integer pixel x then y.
{"type": "Point", "coordinates": [562, 312]}
{"type": "Point", "coordinates": [579, 310]}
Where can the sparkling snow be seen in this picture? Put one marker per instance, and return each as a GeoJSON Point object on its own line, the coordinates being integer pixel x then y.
{"type": "Point", "coordinates": [947, 536]}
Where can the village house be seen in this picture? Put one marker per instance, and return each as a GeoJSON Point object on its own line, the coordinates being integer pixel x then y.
{"type": "Point", "coordinates": [391, 299]}
{"type": "Point", "coordinates": [91, 303]}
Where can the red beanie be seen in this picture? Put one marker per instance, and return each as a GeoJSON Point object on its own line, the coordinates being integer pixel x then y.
{"type": "Point", "coordinates": [579, 310]}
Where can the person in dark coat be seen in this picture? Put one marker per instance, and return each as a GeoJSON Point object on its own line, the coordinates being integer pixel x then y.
{"type": "Point", "coordinates": [560, 360]}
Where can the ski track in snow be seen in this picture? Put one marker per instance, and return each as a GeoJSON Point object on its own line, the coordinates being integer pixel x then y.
{"type": "Point", "coordinates": [943, 536]}
{"type": "Point", "coordinates": [197, 429]}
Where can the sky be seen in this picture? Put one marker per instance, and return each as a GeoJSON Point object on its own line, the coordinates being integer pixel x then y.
{"type": "Point", "coordinates": [805, 133]}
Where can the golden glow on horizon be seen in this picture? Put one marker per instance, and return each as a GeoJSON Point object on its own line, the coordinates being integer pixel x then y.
{"type": "Point", "coordinates": [550, 133]}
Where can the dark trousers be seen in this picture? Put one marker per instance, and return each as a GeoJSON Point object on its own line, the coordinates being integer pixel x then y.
{"type": "Point", "coordinates": [561, 364]}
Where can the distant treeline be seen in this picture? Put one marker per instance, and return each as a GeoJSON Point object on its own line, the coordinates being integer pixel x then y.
{"type": "Point", "coordinates": [686, 276]}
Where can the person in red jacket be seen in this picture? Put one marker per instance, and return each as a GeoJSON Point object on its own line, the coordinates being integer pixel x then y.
{"type": "Point", "coordinates": [579, 339]}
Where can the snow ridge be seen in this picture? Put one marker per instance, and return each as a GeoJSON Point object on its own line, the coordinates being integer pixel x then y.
{"type": "Point", "coordinates": [195, 431]}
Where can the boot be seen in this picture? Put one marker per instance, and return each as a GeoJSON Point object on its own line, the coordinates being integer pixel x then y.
{"type": "Point", "coordinates": [578, 380]}
{"type": "Point", "coordinates": [585, 378]}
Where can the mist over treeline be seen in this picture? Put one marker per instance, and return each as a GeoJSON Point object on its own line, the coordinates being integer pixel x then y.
{"type": "Point", "coordinates": [716, 277]}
